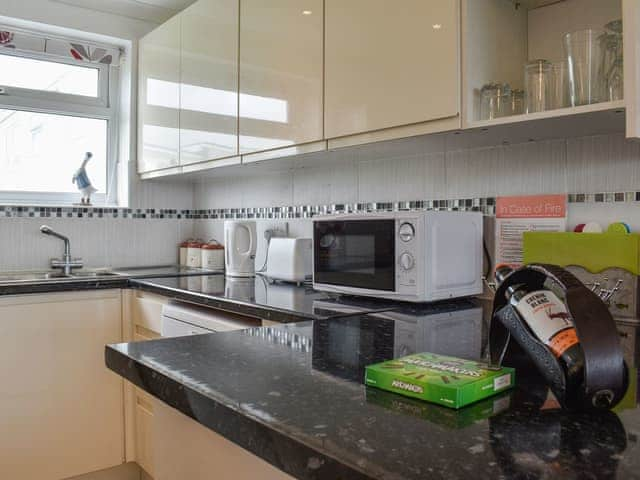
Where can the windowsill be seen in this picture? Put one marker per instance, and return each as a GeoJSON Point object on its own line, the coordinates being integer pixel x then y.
{"type": "Point", "coordinates": [56, 205]}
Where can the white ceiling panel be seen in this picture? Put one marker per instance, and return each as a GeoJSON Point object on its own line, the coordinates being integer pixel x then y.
{"type": "Point", "coordinates": [155, 11]}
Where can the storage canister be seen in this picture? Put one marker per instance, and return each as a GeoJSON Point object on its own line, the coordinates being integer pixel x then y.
{"type": "Point", "coordinates": [194, 255]}
{"type": "Point", "coordinates": [213, 255]}
{"type": "Point", "coordinates": [183, 252]}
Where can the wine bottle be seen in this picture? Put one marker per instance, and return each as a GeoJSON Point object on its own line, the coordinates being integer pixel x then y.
{"type": "Point", "coordinates": [548, 319]}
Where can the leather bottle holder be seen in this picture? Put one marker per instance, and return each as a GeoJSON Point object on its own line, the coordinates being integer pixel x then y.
{"type": "Point", "coordinates": [605, 373]}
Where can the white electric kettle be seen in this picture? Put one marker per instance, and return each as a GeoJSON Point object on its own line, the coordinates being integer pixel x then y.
{"type": "Point", "coordinates": [240, 241]}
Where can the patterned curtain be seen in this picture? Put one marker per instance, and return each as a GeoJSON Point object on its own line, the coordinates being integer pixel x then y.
{"type": "Point", "coordinates": [84, 52]}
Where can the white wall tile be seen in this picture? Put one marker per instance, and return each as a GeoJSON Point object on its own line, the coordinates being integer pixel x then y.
{"type": "Point", "coordinates": [275, 186]}
{"type": "Point", "coordinates": [106, 242]}
{"type": "Point", "coordinates": [471, 173]}
{"type": "Point", "coordinates": [436, 167]}
{"type": "Point", "coordinates": [376, 180]}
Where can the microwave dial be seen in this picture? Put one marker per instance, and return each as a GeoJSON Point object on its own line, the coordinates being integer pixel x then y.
{"type": "Point", "coordinates": [406, 261]}
{"type": "Point", "coordinates": [406, 232]}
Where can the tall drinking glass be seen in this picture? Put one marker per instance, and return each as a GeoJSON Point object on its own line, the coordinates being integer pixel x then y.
{"type": "Point", "coordinates": [584, 50]}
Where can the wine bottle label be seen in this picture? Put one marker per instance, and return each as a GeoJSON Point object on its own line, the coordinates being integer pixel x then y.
{"type": "Point", "coordinates": [549, 320]}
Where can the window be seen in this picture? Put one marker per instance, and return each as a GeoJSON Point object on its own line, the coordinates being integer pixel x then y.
{"type": "Point", "coordinates": [58, 100]}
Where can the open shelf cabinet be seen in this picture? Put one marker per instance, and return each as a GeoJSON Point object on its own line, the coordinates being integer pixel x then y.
{"type": "Point", "coordinates": [499, 37]}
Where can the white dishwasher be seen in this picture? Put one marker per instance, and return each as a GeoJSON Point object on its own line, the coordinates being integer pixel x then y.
{"type": "Point", "coordinates": [179, 320]}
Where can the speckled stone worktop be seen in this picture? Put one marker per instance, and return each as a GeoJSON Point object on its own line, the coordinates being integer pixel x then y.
{"type": "Point", "coordinates": [293, 395]}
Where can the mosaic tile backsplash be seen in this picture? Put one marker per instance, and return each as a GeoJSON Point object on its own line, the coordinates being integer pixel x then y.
{"type": "Point", "coordinates": [485, 205]}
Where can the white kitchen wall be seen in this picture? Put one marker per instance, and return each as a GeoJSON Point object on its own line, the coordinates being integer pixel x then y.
{"type": "Point", "coordinates": [422, 168]}
{"type": "Point", "coordinates": [431, 168]}
{"type": "Point", "coordinates": [99, 241]}
{"type": "Point", "coordinates": [104, 242]}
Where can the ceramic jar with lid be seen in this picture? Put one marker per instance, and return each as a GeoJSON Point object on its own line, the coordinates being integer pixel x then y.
{"type": "Point", "coordinates": [182, 249]}
{"type": "Point", "coordinates": [213, 255]}
{"type": "Point", "coordinates": [194, 254]}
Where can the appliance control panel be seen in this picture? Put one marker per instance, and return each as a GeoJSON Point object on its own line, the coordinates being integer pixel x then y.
{"type": "Point", "coordinates": [406, 252]}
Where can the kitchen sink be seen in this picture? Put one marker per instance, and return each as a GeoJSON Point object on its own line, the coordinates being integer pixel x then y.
{"type": "Point", "coordinates": [99, 274]}
{"type": "Point", "coordinates": [53, 276]}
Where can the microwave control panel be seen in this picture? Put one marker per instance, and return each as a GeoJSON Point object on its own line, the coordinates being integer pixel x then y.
{"type": "Point", "coordinates": [406, 252]}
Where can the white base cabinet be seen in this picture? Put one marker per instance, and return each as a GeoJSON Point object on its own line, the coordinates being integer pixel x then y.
{"type": "Point", "coordinates": [62, 409]}
{"type": "Point", "coordinates": [185, 449]}
{"type": "Point", "coordinates": [142, 321]}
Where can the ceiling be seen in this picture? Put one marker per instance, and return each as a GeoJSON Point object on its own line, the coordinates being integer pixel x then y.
{"type": "Point", "coordinates": [154, 11]}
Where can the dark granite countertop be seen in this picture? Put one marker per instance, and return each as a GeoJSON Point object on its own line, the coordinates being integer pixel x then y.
{"type": "Point", "coordinates": [293, 395]}
{"type": "Point", "coordinates": [161, 271]}
{"type": "Point", "coordinates": [119, 279]}
{"type": "Point", "coordinates": [280, 302]}
{"type": "Point", "coordinates": [256, 297]}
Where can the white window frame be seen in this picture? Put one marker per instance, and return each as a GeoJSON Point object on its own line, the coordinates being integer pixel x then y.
{"type": "Point", "coordinates": [102, 107]}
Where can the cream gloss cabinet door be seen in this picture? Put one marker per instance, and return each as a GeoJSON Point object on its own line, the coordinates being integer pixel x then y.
{"type": "Point", "coordinates": [184, 449]}
{"type": "Point", "coordinates": [281, 73]}
{"type": "Point", "coordinates": [143, 321]}
{"type": "Point", "coordinates": [389, 64]}
{"type": "Point", "coordinates": [159, 98]}
{"type": "Point", "coordinates": [209, 81]}
{"type": "Point", "coordinates": [61, 409]}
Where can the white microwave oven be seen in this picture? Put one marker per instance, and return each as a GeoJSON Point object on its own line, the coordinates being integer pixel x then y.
{"type": "Point", "coordinates": [406, 256]}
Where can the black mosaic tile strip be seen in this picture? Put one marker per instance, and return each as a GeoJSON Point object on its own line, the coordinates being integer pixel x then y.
{"type": "Point", "coordinates": [90, 212]}
{"type": "Point", "coordinates": [485, 205]}
{"type": "Point", "coordinates": [604, 197]}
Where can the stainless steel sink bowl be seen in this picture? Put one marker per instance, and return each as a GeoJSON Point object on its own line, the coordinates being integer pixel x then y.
{"type": "Point", "coordinates": [10, 278]}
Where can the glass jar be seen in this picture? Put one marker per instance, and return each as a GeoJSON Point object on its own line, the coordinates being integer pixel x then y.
{"type": "Point", "coordinates": [494, 100]}
{"type": "Point", "coordinates": [537, 81]}
{"type": "Point", "coordinates": [517, 102]}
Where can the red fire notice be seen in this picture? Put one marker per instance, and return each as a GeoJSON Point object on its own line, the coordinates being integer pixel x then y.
{"type": "Point", "coordinates": [535, 206]}
{"type": "Point", "coordinates": [515, 215]}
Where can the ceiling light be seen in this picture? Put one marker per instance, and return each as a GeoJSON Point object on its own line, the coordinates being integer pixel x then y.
{"type": "Point", "coordinates": [307, 12]}
{"type": "Point", "coordinates": [436, 26]}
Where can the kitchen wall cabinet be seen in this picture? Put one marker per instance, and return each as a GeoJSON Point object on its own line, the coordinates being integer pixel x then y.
{"type": "Point", "coordinates": [281, 73]}
{"type": "Point", "coordinates": [209, 81]}
{"type": "Point", "coordinates": [321, 74]}
{"type": "Point", "coordinates": [389, 64]}
{"type": "Point", "coordinates": [159, 98]}
{"type": "Point", "coordinates": [62, 410]}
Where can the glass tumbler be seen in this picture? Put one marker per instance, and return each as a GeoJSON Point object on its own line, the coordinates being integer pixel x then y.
{"type": "Point", "coordinates": [559, 93]}
{"type": "Point", "coordinates": [612, 61]}
{"type": "Point", "coordinates": [584, 50]}
{"type": "Point", "coordinates": [537, 86]}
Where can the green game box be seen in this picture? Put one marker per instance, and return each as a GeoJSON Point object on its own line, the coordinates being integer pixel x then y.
{"type": "Point", "coordinates": [449, 381]}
